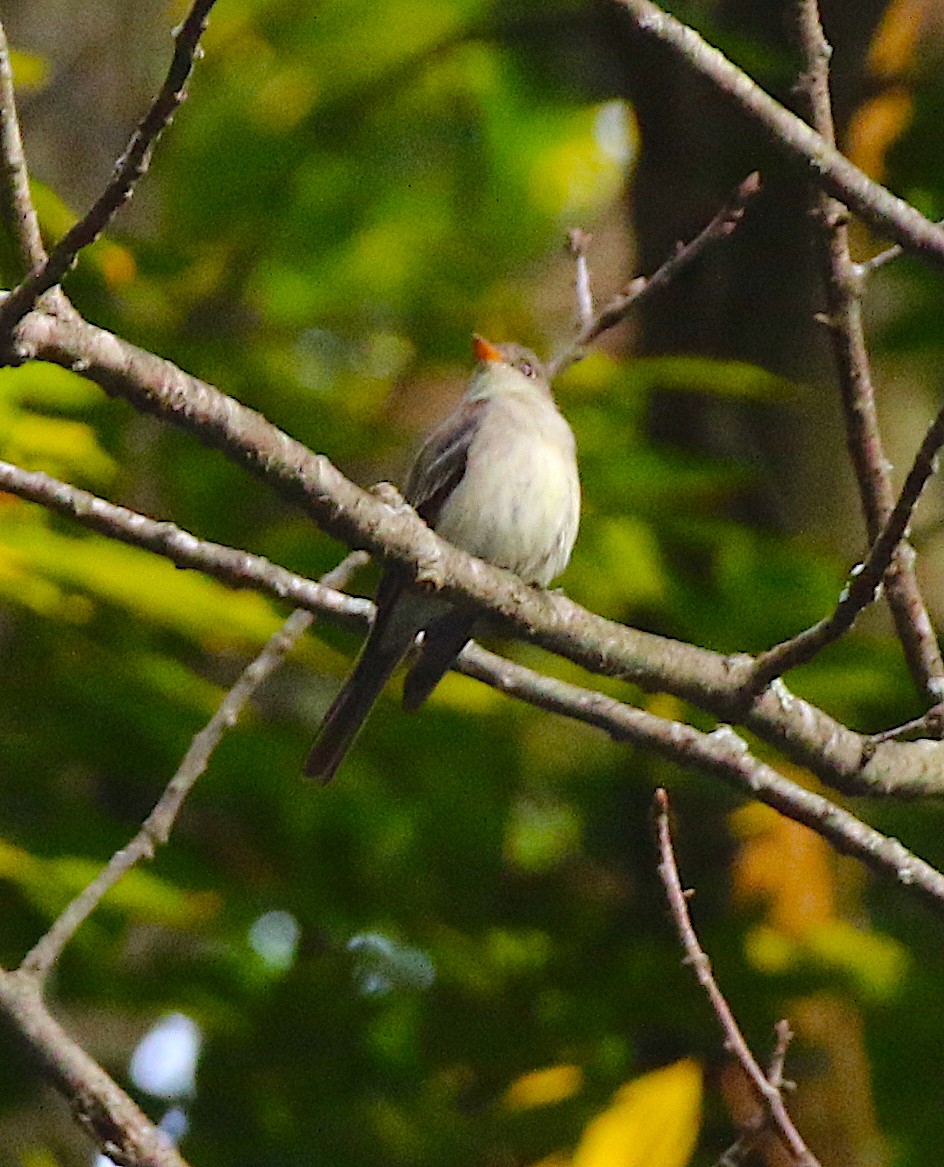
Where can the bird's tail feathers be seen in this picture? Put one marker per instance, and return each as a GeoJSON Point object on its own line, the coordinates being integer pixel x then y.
{"type": "Point", "coordinates": [442, 643]}
{"type": "Point", "coordinates": [350, 708]}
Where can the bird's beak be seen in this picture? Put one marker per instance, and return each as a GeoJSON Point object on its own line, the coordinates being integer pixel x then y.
{"type": "Point", "coordinates": [484, 349]}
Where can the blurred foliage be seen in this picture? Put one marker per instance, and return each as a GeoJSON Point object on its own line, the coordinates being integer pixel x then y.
{"type": "Point", "coordinates": [459, 954]}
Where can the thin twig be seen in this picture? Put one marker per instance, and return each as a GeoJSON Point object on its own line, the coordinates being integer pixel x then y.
{"type": "Point", "coordinates": [868, 267]}
{"type": "Point", "coordinates": [639, 289]}
{"type": "Point", "coordinates": [131, 166]}
{"type": "Point", "coordinates": [157, 826]}
{"type": "Point", "coordinates": [866, 579]}
{"type": "Point", "coordinates": [885, 212]}
{"type": "Point", "coordinates": [768, 1092]}
{"type": "Point", "coordinates": [16, 204]}
{"type": "Point", "coordinates": [929, 725]}
{"type": "Point", "coordinates": [784, 1036]}
{"type": "Point", "coordinates": [735, 1155]}
{"type": "Point", "coordinates": [577, 243]}
{"type": "Point", "coordinates": [846, 330]}
{"type": "Point", "coordinates": [235, 568]}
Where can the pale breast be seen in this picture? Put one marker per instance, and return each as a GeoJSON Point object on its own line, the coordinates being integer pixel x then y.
{"type": "Point", "coordinates": [518, 504]}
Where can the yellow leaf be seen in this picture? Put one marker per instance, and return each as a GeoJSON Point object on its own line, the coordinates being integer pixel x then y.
{"type": "Point", "coordinates": [652, 1122]}
{"type": "Point", "coordinates": [543, 1087]}
{"type": "Point", "coordinates": [787, 865]}
{"type": "Point", "coordinates": [30, 71]}
{"type": "Point", "coordinates": [58, 446]}
{"type": "Point", "coordinates": [49, 884]}
{"type": "Point", "coordinates": [875, 127]}
{"type": "Point", "coordinates": [898, 37]}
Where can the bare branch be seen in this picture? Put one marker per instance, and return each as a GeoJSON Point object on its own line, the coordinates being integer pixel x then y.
{"type": "Point", "coordinates": [930, 724]}
{"type": "Point", "coordinates": [235, 568]}
{"type": "Point", "coordinates": [866, 578]}
{"type": "Point", "coordinates": [118, 1126]}
{"type": "Point", "coordinates": [726, 755]}
{"type": "Point", "coordinates": [863, 437]}
{"type": "Point", "coordinates": [577, 243]}
{"type": "Point", "coordinates": [639, 289]}
{"type": "Point", "coordinates": [16, 205]}
{"type": "Point", "coordinates": [839, 756]}
{"type": "Point", "coordinates": [910, 767]}
{"type": "Point", "coordinates": [775, 1070]}
{"type": "Point", "coordinates": [885, 212]}
{"type": "Point", "coordinates": [868, 267]}
{"type": "Point", "coordinates": [767, 1089]}
{"type": "Point", "coordinates": [128, 170]}
{"type": "Point", "coordinates": [157, 826]}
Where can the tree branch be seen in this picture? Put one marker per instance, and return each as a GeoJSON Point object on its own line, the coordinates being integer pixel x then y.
{"type": "Point", "coordinates": [640, 289]}
{"type": "Point", "coordinates": [131, 166]}
{"type": "Point", "coordinates": [118, 1126]}
{"type": "Point", "coordinates": [577, 243]}
{"type": "Point", "coordinates": [891, 767]}
{"type": "Point", "coordinates": [863, 437]}
{"type": "Point", "coordinates": [16, 204]}
{"type": "Point", "coordinates": [767, 1087]}
{"type": "Point", "coordinates": [883, 211]}
{"type": "Point", "coordinates": [839, 756]}
{"type": "Point", "coordinates": [235, 568]}
{"type": "Point", "coordinates": [865, 581]}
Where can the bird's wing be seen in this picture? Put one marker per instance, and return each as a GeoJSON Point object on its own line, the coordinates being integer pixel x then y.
{"type": "Point", "coordinates": [441, 462]}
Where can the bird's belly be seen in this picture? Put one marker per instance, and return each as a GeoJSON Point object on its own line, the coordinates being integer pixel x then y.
{"type": "Point", "coordinates": [524, 517]}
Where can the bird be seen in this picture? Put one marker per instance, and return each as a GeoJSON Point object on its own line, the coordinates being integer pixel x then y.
{"type": "Point", "coordinates": [497, 478]}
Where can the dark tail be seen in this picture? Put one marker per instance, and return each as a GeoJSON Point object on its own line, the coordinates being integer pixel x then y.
{"type": "Point", "coordinates": [443, 642]}
{"type": "Point", "coordinates": [350, 708]}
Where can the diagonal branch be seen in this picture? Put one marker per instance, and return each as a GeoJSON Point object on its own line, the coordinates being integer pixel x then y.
{"type": "Point", "coordinates": [866, 579]}
{"type": "Point", "coordinates": [235, 568]}
{"type": "Point", "coordinates": [910, 766]}
{"type": "Point", "coordinates": [863, 437]}
{"type": "Point", "coordinates": [839, 756]}
{"type": "Point", "coordinates": [157, 826]}
{"type": "Point", "coordinates": [885, 212]}
{"type": "Point", "coordinates": [16, 205]}
{"type": "Point", "coordinates": [641, 288]}
{"type": "Point", "coordinates": [118, 1126]}
{"type": "Point", "coordinates": [48, 272]}
{"type": "Point", "coordinates": [766, 1086]}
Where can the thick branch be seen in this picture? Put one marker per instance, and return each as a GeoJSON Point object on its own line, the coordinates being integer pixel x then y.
{"type": "Point", "coordinates": [713, 682]}
{"type": "Point", "coordinates": [883, 211]}
{"type": "Point", "coordinates": [721, 753]}
{"type": "Point", "coordinates": [118, 1126]}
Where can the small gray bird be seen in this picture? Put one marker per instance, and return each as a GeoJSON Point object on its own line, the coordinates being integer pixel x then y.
{"type": "Point", "coordinates": [497, 478]}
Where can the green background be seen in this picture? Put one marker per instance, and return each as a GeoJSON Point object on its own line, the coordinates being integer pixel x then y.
{"type": "Point", "coordinates": [350, 190]}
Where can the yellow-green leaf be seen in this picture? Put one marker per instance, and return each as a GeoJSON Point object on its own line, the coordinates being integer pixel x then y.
{"type": "Point", "coordinates": [653, 1121]}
